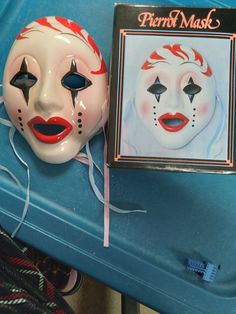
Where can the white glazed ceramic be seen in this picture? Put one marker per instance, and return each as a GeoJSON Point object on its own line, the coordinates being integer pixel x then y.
{"type": "Point", "coordinates": [55, 116]}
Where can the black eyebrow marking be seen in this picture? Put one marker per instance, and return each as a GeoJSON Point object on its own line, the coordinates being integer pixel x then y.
{"type": "Point", "coordinates": [75, 81]}
{"type": "Point", "coordinates": [157, 89]}
{"type": "Point", "coordinates": [24, 80]}
{"type": "Point", "coordinates": [191, 89]}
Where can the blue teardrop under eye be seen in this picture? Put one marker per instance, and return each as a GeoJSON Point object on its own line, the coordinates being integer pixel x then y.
{"type": "Point", "coordinates": [75, 81]}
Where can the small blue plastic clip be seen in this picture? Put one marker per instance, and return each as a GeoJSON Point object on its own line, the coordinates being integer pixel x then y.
{"type": "Point", "coordinates": [206, 270]}
{"type": "Point", "coordinates": [210, 272]}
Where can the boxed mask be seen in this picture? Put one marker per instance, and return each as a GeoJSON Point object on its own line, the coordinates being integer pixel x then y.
{"type": "Point", "coordinates": [172, 89]}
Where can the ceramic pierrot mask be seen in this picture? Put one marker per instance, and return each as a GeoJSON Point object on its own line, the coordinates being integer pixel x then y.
{"type": "Point", "coordinates": [55, 88]}
{"type": "Point", "coordinates": [175, 94]}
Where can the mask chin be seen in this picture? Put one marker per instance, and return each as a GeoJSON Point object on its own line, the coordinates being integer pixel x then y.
{"type": "Point", "coordinates": [174, 144]}
{"type": "Point", "coordinates": [56, 153]}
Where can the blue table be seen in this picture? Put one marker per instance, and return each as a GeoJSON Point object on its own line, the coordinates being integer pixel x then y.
{"type": "Point", "coordinates": [189, 215]}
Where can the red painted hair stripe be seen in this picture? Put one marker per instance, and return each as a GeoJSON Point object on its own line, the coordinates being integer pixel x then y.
{"type": "Point", "coordinates": [21, 35]}
{"type": "Point", "coordinates": [156, 56]}
{"type": "Point", "coordinates": [147, 65]}
{"type": "Point", "coordinates": [198, 56]}
{"type": "Point", "coordinates": [177, 51]}
{"type": "Point", "coordinates": [43, 21]}
{"type": "Point", "coordinates": [208, 71]}
{"type": "Point", "coordinates": [75, 28]}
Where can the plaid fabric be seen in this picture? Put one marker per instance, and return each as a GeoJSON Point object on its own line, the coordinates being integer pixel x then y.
{"type": "Point", "coordinates": [23, 289]}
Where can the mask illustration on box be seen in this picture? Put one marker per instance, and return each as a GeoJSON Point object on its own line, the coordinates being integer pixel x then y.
{"type": "Point", "coordinates": [175, 95]}
{"type": "Point", "coordinates": [55, 88]}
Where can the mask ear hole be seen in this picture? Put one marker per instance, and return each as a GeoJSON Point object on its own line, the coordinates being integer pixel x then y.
{"type": "Point", "coordinates": [75, 81]}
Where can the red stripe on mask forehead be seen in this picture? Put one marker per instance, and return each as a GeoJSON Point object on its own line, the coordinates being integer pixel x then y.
{"type": "Point", "coordinates": [102, 70]}
{"type": "Point", "coordinates": [21, 35]}
{"type": "Point", "coordinates": [198, 56]}
{"type": "Point", "coordinates": [43, 21]}
{"type": "Point", "coordinates": [93, 45]}
{"type": "Point", "coordinates": [75, 28]}
{"type": "Point", "coordinates": [146, 66]}
{"type": "Point", "coordinates": [208, 71]}
{"type": "Point", "coordinates": [156, 56]}
{"type": "Point", "coordinates": [177, 51]}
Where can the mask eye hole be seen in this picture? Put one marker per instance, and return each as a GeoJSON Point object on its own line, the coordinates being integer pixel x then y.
{"type": "Point", "coordinates": [75, 81]}
{"type": "Point", "coordinates": [157, 89]}
{"type": "Point", "coordinates": [191, 89]}
{"type": "Point", "coordinates": [23, 80]}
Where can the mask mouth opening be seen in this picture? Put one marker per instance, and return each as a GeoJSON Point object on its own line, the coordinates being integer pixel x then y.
{"type": "Point", "coordinates": [49, 129]}
{"type": "Point", "coordinates": [173, 122]}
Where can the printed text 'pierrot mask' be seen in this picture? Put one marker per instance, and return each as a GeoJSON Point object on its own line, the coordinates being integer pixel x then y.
{"type": "Point", "coordinates": [55, 88]}
{"type": "Point", "coordinates": [175, 94]}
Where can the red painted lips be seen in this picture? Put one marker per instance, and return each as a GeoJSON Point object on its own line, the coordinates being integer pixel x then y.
{"type": "Point", "coordinates": [50, 131]}
{"type": "Point", "coordinates": [173, 122]}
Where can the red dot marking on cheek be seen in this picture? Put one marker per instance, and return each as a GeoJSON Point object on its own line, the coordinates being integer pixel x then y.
{"type": "Point", "coordinates": [203, 110]}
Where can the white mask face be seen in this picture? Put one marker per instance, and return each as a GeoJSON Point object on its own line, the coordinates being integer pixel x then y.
{"type": "Point", "coordinates": [175, 95]}
{"type": "Point", "coordinates": [55, 88]}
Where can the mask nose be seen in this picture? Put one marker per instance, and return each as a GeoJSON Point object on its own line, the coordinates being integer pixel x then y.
{"type": "Point", "coordinates": [174, 100]}
{"type": "Point", "coordinates": [48, 100]}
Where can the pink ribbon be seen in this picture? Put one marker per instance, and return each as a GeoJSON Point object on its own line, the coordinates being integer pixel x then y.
{"type": "Point", "coordinates": [82, 159]}
{"type": "Point", "coordinates": [106, 197]}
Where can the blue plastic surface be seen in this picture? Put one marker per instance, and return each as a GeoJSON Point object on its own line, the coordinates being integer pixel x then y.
{"type": "Point", "coordinates": [188, 214]}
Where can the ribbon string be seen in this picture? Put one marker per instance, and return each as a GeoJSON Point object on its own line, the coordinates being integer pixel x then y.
{"type": "Point", "coordinates": [87, 159]}
{"type": "Point", "coordinates": [83, 158]}
{"type": "Point", "coordinates": [11, 174]}
{"type": "Point", "coordinates": [12, 130]}
{"type": "Point", "coordinates": [27, 200]}
{"type": "Point", "coordinates": [106, 234]}
{"type": "Point", "coordinates": [98, 193]}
